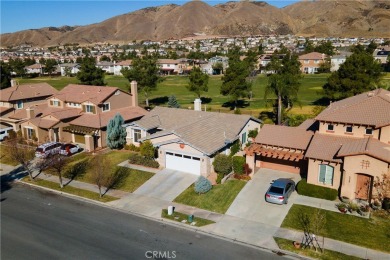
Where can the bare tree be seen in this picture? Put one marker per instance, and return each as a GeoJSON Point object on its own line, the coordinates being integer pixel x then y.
{"type": "Point", "coordinates": [101, 167]}
{"type": "Point", "coordinates": [382, 187]}
{"type": "Point", "coordinates": [22, 154]}
{"type": "Point", "coordinates": [57, 164]}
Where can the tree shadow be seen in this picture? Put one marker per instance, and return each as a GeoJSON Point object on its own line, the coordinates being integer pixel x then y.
{"type": "Point", "coordinates": [267, 116]}
{"type": "Point", "coordinates": [159, 100]}
{"type": "Point", "coordinates": [117, 178]}
{"type": "Point", "coordinates": [240, 104]}
{"type": "Point", "coordinates": [324, 101]}
{"type": "Point", "coordinates": [206, 100]}
{"type": "Point", "coordinates": [7, 179]}
{"type": "Point", "coordinates": [77, 170]}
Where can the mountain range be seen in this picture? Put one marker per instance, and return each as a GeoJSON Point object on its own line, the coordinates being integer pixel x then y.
{"type": "Point", "coordinates": [357, 18]}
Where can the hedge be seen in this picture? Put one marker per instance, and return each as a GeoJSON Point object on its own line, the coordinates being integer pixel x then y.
{"type": "Point", "coordinates": [140, 160]}
{"type": "Point", "coordinates": [307, 189]}
{"type": "Point", "coordinates": [238, 164]}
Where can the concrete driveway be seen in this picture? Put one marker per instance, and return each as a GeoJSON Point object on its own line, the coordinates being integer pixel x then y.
{"type": "Point", "coordinates": [166, 184]}
{"type": "Point", "coordinates": [250, 203]}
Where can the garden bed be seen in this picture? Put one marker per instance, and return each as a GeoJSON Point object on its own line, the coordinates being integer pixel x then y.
{"type": "Point", "coordinates": [183, 218]}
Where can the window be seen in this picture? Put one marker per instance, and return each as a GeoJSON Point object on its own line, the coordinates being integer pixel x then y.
{"type": "Point", "coordinates": [316, 61]}
{"type": "Point", "coordinates": [89, 109]}
{"type": "Point", "coordinates": [30, 133]}
{"type": "Point", "coordinates": [348, 129]}
{"type": "Point", "coordinates": [325, 175]}
{"type": "Point", "coordinates": [106, 107]}
{"type": "Point", "coordinates": [306, 61]}
{"type": "Point", "coordinates": [137, 135]}
{"type": "Point", "coordinates": [243, 138]}
{"type": "Point", "coordinates": [56, 103]}
{"type": "Point", "coordinates": [19, 104]}
{"type": "Point", "coordinates": [368, 131]}
{"type": "Point", "coordinates": [330, 127]}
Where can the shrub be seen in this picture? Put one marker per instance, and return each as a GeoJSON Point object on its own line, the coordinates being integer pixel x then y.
{"type": "Point", "coordinates": [132, 147]}
{"type": "Point", "coordinates": [140, 160]}
{"type": "Point", "coordinates": [306, 189]}
{"type": "Point", "coordinates": [147, 149]}
{"type": "Point", "coordinates": [12, 134]}
{"type": "Point", "coordinates": [219, 178]}
{"type": "Point", "coordinates": [222, 164]}
{"type": "Point", "coordinates": [253, 133]}
{"type": "Point", "coordinates": [202, 185]}
{"type": "Point", "coordinates": [238, 164]}
{"type": "Point", "coordinates": [235, 148]}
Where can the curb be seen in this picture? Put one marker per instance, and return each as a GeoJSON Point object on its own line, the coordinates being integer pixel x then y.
{"type": "Point", "coordinates": [171, 223]}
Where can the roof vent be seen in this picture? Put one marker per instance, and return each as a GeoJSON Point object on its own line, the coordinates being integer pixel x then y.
{"type": "Point", "coordinates": [370, 94]}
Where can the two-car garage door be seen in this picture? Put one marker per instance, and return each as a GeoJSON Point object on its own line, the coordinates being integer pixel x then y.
{"type": "Point", "coordinates": [182, 162]}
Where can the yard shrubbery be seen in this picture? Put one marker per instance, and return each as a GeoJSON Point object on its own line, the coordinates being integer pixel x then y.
{"type": "Point", "coordinates": [222, 166]}
{"type": "Point", "coordinates": [144, 161]}
{"type": "Point", "coordinates": [132, 147]}
{"type": "Point", "coordinates": [238, 164]}
{"type": "Point", "coordinates": [306, 189]}
{"type": "Point", "coordinates": [202, 185]}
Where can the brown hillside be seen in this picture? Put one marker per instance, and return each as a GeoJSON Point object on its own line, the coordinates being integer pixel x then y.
{"type": "Point", "coordinates": [322, 18]}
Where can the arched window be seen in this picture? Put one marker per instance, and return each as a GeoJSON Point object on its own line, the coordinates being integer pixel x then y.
{"type": "Point", "coordinates": [325, 175]}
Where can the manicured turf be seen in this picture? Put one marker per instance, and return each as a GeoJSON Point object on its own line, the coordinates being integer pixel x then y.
{"type": "Point", "coordinates": [286, 244]}
{"type": "Point", "coordinates": [130, 179]}
{"type": "Point", "coordinates": [310, 92]}
{"type": "Point", "coordinates": [71, 190]}
{"type": "Point", "coordinates": [218, 199]}
{"type": "Point", "coordinates": [179, 217]}
{"type": "Point", "coordinates": [372, 233]}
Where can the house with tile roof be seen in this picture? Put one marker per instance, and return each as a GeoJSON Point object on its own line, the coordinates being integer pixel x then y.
{"type": "Point", "coordinates": [188, 140]}
{"type": "Point", "coordinates": [310, 62]}
{"type": "Point", "coordinates": [18, 97]}
{"type": "Point", "coordinates": [80, 114]}
{"type": "Point", "coordinates": [344, 148]}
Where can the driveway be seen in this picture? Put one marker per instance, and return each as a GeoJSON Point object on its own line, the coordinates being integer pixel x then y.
{"type": "Point", "coordinates": [250, 203]}
{"type": "Point", "coordinates": [166, 184]}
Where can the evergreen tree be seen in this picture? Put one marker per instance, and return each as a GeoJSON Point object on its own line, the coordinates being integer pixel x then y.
{"type": "Point", "coordinates": [116, 133]}
{"type": "Point", "coordinates": [5, 75]}
{"type": "Point", "coordinates": [50, 66]}
{"type": "Point", "coordinates": [359, 73]}
{"type": "Point", "coordinates": [146, 72]}
{"type": "Point", "coordinates": [198, 81]}
{"type": "Point", "coordinates": [235, 82]}
{"type": "Point", "coordinates": [172, 102]}
{"type": "Point", "coordinates": [89, 74]}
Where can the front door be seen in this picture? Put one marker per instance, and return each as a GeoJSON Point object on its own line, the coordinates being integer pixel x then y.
{"type": "Point", "coordinates": [363, 183]}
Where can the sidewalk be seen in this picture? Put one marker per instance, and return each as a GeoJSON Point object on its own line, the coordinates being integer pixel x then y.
{"type": "Point", "coordinates": [230, 227]}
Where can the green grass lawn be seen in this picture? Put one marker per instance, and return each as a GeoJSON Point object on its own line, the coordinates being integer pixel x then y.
{"type": "Point", "coordinates": [309, 94]}
{"type": "Point", "coordinates": [218, 199]}
{"type": "Point", "coordinates": [372, 233]}
{"type": "Point", "coordinates": [179, 217]}
{"type": "Point", "coordinates": [286, 244]}
{"type": "Point", "coordinates": [130, 181]}
{"type": "Point", "coordinates": [70, 190]}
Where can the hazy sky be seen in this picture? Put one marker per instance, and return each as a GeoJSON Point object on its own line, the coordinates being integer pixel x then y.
{"type": "Point", "coordinates": [21, 15]}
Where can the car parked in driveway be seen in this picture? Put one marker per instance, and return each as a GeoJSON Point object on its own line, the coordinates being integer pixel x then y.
{"type": "Point", "coordinates": [279, 191]}
{"type": "Point", "coordinates": [69, 149]}
{"type": "Point", "coordinates": [47, 149]}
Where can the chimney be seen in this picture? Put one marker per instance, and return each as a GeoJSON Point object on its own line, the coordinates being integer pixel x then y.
{"type": "Point", "coordinates": [30, 113]}
{"type": "Point", "coordinates": [13, 83]}
{"type": "Point", "coordinates": [134, 93]}
{"type": "Point", "coordinates": [198, 104]}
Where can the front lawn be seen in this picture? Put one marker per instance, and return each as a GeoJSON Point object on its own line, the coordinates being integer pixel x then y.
{"type": "Point", "coordinates": [371, 233]}
{"type": "Point", "coordinates": [218, 199]}
{"type": "Point", "coordinates": [71, 190]}
{"type": "Point", "coordinates": [4, 158]}
{"type": "Point", "coordinates": [129, 180]}
{"type": "Point", "coordinates": [286, 244]}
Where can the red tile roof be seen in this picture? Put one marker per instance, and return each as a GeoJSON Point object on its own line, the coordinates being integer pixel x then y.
{"type": "Point", "coordinates": [284, 136]}
{"type": "Point", "coordinates": [312, 56]}
{"type": "Point", "coordinates": [26, 91]}
{"type": "Point", "coordinates": [370, 108]}
{"type": "Point", "coordinates": [368, 146]}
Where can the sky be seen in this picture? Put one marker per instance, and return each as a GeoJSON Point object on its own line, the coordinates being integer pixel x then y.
{"type": "Point", "coordinates": [19, 15]}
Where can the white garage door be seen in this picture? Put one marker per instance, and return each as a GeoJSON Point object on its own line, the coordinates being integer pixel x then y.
{"type": "Point", "coordinates": [182, 162]}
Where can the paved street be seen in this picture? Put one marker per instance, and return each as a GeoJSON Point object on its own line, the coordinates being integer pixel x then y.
{"type": "Point", "coordinates": [37, 224]}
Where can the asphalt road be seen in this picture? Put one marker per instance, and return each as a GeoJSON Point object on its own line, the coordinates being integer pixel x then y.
{"type": "Point", "coordinates": [37, 224]}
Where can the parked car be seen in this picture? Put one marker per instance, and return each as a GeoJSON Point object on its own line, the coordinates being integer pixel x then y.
{"type": "Point", "coordinates": [69, 149]}
{"type": "Point", "coordinates": [279, 191]}
{"type": "Point", "coordinates": [4, 133]}
{"type": "Point", "coordinates": [47, 149]}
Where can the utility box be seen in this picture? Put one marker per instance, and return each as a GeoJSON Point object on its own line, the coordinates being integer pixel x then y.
{"type": "Point", "coordinates": [170, 210]}
{"type": "Point", "coordinates": [190, 218]}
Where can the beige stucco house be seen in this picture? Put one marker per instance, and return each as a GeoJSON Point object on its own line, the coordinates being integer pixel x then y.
{"type": "Point", "coordinates": [345, 148]}
{"type": "Point", "coordinates": [80, 114]}
{"type": "Point", "coordinates": [188, 140]}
